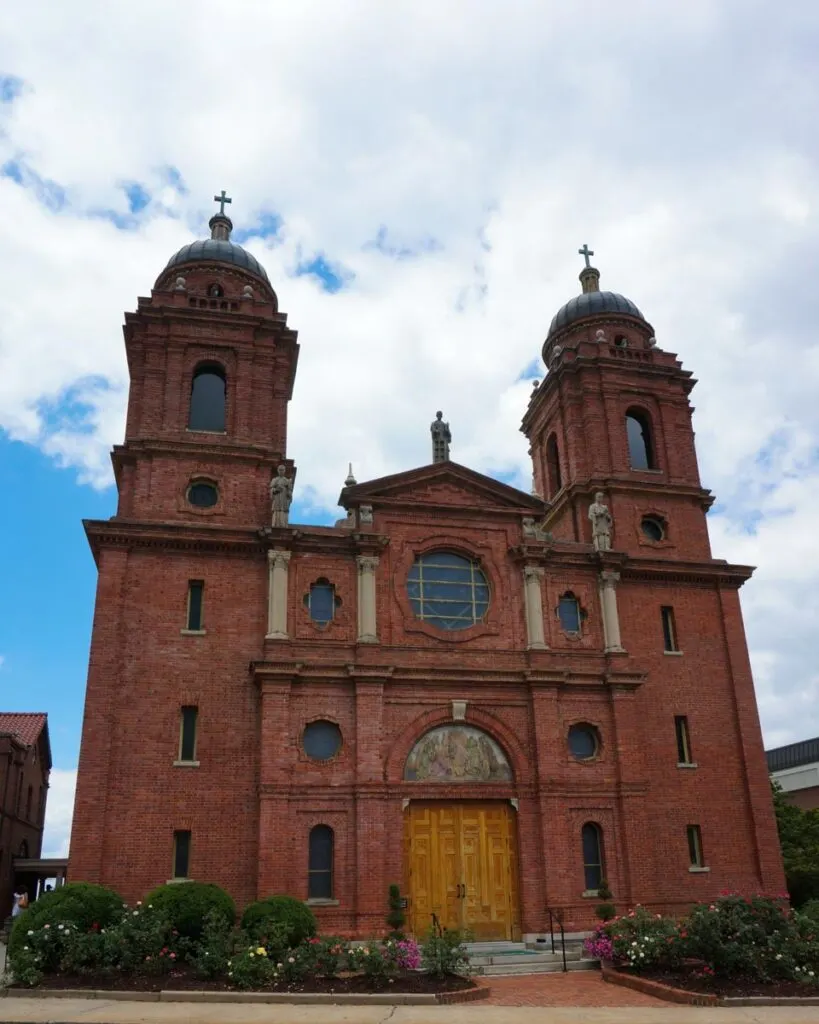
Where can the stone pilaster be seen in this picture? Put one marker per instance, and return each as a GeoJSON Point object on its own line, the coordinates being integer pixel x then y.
{"type": "Point", "coordinates": [533, 601]}
{"type": "Point", "coordinates": [611, 618]}
{"type": "Point", "coordinates": [277, 565]}
{"type": "Point", "coordinates": [367, 629]}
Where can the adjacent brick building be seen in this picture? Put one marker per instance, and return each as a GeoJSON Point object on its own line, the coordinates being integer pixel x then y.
{"type": "Point", "coordinates": [476, 692]}
{"type": "Point", "coordinates": [25, 766]}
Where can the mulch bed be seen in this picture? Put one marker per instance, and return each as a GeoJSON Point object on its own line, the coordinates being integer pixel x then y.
{"type": "Point", "coordinates": [186, 980]}
{"type": "Point", "coordinates": [726, 988]}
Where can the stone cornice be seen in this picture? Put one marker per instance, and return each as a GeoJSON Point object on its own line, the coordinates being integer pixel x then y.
{"type": "Point", "coordinates": [250, 541]}
{"type": "Point", "coordinates": [594, 673]}
{"type": "Point", "coordinates": [198, 448]}
{"type": "Point", "coordinates": [715, 573]}
{"type": "Point", "coordinates": [655, 485]}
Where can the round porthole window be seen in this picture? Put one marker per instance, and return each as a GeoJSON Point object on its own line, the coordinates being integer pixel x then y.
{"type": "Point", "coordinates": [202, 494]}
{"type": "Point", "coordinates": [322, 740]}
{"type": "Point", "coordinates": [653, 528]}
{"type": "Point", "coordinates": [583, 742]}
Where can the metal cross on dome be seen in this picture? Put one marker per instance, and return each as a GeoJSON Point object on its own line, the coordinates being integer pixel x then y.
{"type": "Point", "coordinates": [224, 198]}
{"type": "Point", "coordinates": [585, 251]}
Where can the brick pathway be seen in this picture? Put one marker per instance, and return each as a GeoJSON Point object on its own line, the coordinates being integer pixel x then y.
{"type": "Point", "coordinates": [580, 988]}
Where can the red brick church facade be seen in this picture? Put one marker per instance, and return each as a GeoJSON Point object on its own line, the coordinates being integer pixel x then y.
{"type": "Point", "coordinates": [481, 694]}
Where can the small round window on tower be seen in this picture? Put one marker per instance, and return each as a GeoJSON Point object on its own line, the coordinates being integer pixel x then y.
{"type": "Point", "coordinates": [653, 528]}
{"type": "Point", "coordinates": [584, 742]}
{"type": "Point", "coordinates": [203, 494]}
{"type": "Point", "coordinates": [321, 740]}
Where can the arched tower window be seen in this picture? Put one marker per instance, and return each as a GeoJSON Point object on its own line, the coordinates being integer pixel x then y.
{"type": "Point", "coordinates": [592, 840]}
{"type": "Point", "coordinates": [208, 391]}
{"type": "Point", "coordinates": [553, 466]}
{"type": "Point", "coordinates": [320, 865]}
{"type": "Point", "coordinates": [640, 442]}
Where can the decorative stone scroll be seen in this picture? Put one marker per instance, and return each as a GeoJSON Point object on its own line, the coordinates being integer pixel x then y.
{"type": "Point", "coordinates": [457, 753]}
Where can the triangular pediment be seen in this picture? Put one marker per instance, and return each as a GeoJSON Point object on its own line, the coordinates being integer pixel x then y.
{"type": "Point", "coordinates": [446, 484]}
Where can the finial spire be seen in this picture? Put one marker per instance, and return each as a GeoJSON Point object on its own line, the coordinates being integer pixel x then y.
{"type": "Point", "coordinates": [441, 438]}
{"type": "Point", "coordinates": [351, 480]}
{"type": "Point", "coordinates": [589, 275]}
{"type": "Point", "coordinates": [220, 224]}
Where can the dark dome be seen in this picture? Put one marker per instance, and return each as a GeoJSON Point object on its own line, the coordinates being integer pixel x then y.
{"type": "Point", "coordinates": [590, 304]}
{"type": "Point", "coordinates": [220, 251]}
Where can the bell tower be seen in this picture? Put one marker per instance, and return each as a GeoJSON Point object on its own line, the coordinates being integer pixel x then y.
{"type": "Point", "coordinates": [212, 365]}
{"type": "Point", "coordinates": [613, 415]}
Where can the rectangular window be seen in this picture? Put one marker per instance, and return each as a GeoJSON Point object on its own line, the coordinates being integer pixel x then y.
{"type": "Point", "coordinates": [683, 740]}
{"type": "Point", "coordinates": [29, 797]}
{"type": "Point", "coordinates": [695, 846]}
{"type": "Point", "coordinates": [187, 734]}
{"type": "Point", "coordinates": [181, 854]}
{"type": "Point", "coordinates": [669, 629]}
{"type": "Point", "coordinates": [41, 806]}
{"type": "Point", "coordinates": [196, 591]}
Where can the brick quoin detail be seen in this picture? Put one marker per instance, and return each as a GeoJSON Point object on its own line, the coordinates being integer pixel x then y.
{"type": "Point", "coordinates": [254, 794]}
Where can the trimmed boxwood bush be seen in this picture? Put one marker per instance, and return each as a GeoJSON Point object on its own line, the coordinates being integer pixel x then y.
{"type": "Point", "coordinates": [80, 903]}
{"type": "Point", "coordinates": [284, 912]}
{"type": "Point", "coordinates": [187, 904]}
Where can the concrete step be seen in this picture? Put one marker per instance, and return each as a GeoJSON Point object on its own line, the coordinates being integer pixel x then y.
{"type": "Point", "coordinates": [488, 948]}
{"type": "Point", "coordinates": [552, 967]}
{"type": "Point", "coordinates": [523, 958]}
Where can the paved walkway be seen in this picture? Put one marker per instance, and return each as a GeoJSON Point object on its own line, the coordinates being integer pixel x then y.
{"type": "Point", "coordinates": [578, 988]}
{"type": "Point", "coordinates": [84, 1011]}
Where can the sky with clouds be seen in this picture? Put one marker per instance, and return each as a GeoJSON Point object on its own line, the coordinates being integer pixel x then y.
{"type": "Point", "coordinates": [416, 177]}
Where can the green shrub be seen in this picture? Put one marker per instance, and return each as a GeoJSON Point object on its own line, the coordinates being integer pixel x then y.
{"type": "Point", "coordinates": [640, 939]}
{"type": "Point", "coordinates": [250, 967]}
{"type": "Point", "coordinates": [443, 952]}
{"type": "Point", "coordinates": [810, 910]}
{"type": "Point", "coordinates": [186, 905]}
{"type": "Point", "coordinates": [605, 911]}
{"type": "Point", "coordinates": [737, 936]}
{"type": "Point", "coordinates": [263, 917]}
{"type": "Point", "coordinates": [803, 886]}
{"type": "Point", "coordinates": [215, 947]}
{"type": "Point", "coordinates": [78, 903]}
{"type": "Point", "coordinates": [396, 917]}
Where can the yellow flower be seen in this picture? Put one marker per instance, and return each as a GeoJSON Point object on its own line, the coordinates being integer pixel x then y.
{"type": "Point", "coordinates": [261, 951]}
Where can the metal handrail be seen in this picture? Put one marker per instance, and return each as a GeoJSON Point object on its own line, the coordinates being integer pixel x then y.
{"type": "Point", "coordinates": [557, 915]}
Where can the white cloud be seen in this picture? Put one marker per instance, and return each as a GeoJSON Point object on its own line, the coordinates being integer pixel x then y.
{"type": "Point", "coordinates": [666, 136]}
{"type": "Point", "coordinates": [59, 812]}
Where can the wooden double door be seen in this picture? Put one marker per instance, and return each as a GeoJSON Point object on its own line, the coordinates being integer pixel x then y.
{"type": "Point", "coordinates": [462, 866]}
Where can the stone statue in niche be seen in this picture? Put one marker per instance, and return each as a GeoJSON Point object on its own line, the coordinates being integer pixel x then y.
{"type": "Point", "coordinates": [457, 753]}
{"type": "Point", "coordinates": [602, 523]}
{"type": "Point", "coordinates": [281, 496]}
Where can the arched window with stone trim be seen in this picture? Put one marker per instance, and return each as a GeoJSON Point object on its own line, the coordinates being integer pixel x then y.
{"type": "Point", "coordinates": [553, 466]}
{"type": "Point", "coordinates": [592, 842]}
{"type": "Point", "coordinates": [320, 863]}
{"type": "Point", "coordinates": [641, 452]}
{"type": "Point", "coordinates": [208, 398]}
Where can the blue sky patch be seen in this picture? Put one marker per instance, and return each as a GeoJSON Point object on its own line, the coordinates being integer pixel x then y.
{"type": "Point", "coordinates": [49, 193]}
{"type": "Point", "coordinates": [137, 195]}
{"type": "Point", "coordinates": [382, 243]}
{"type": "Point", "coordinates": [10, 87]}
{"type": "Point", "coordinates": [332, 276]}
{"type": "Point", "coordinates": [534, 370]}
{"type": "Point", "coordinates": [266, 225]}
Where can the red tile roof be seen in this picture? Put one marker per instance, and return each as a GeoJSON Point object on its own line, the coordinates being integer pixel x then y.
{"type": "Point", "coordinates": [26, 724]}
